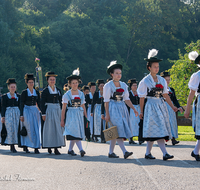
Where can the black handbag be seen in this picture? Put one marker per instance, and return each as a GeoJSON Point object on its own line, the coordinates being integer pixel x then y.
{"type": "Point", "coordinates": [3, 133]}
{"type": "Point", "coordinates": [23, 131]}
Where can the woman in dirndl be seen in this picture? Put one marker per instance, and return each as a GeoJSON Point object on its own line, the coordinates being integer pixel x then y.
{"type": "Point", "coordinates": [115, 95]}
{"type": "Point", "coordinates": [156, 126]}
{"type": "Point", "coordinates": [96, 110]}
{"type": "Point", "coordinates": [11, 114]}
{"type": "Point", "coordinates": [134, 121]}
{"type": "Point", "coordinates": [74, 99]}
{"type": "Point", "coordinates": [172, 114]}
{"type": "Point", "coordinates": [194, 86]}
{"type": "Point", "coordinates": [51, 104]}
{"type": "Point", "coordinates": [30, 116]}
{"type": "Point", "coordinates": [88, 99]}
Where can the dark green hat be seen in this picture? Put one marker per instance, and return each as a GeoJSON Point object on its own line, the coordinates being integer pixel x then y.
{"type": "Point", "coordinates": [113, 65]}
{"type": "Point", "coordinates": [131, 81]}
{"type": "Point", "coordinates": [108, 79]}
{"type": "Point", "coordinates": [197, 60]}
{"type": "Point", "coordinates": [75, 75]}
{"type": "Point", "coordinates": [91, 84]}
{"type": "Point", "coordinates": [11, 81]}
{"type": "Point", "coordinates": [152, 56]}
{"type": "Point", "coordinates": [165, 74]}
{"type": "Point", "coordinates": [100, 81]}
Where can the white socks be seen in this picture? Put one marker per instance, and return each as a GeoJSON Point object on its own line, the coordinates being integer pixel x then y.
{"type": "Point", "coordinates": [149, 147]}
{"type": "Point", "coordinates": [161, 144]}
{"type": "Point", "coordinates": [197, 148]}
{"type": "Point", "coordinates": [120, 143]}
{"type": "Point", "coordinates": [78, 143]}
{"type": "Point", "coordinates": [112, 145]}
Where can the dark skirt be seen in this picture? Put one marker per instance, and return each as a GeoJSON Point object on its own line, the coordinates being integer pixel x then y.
{"type": "Point", "coordinates": [71, 138]}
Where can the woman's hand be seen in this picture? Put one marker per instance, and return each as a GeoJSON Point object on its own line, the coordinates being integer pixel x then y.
{"type": "Point", "coordinates": [62, 123]}
{"type": "Point", "coordinates": [91, 114]}
{"type": "Point", "coordinates": [187, 113]}
{"type": "Point", "coordinates": [103, 117]}
{"type": "Point", "coordinates": [44, 117]}
{"type": "Point", "coordinates": [141, 115]}
{"type": "Point", "coordinates": [180, 109]}
{"type": "Point", "coordinates": [22, 119]}
{"type": "Point", "coordinates": [3, 120]}
{"type": "Point", "coordinates": [175, 109]}
{"type": "Point", "coordinates": [107, 118]}
{"type": "Point", "coordinates": [136, 113]}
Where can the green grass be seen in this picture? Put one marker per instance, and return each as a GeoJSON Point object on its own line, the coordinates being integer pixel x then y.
{"type": "Point", "coordinates": [185, 133]}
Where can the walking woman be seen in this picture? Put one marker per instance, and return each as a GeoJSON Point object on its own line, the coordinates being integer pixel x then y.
{"type": "Point", "coordinates": [88, 99]}
{"type": "Point", "coordinates": [172, 115]}
{"type": "Point", "coordinates": [115, 95]}
{"type": "Point", "coordinates": [30, 116]}
{"type": "Point", "coordinates": [11, 114]}
{"type": "Point", "coordinates": [156, 126]}
{"type": "Point", "coordinates": [96, 109]}
{"type": "Point", "coordinates": [135, 100]}
{"type": "Point", "coordinates": [194, 86]}
{"type": "Point", "coordinates": [74, 125]}
{"type": "Point", "coordinates": [51, 104]}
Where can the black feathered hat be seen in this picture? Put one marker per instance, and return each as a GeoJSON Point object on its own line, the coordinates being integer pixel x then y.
{"type": "Point", "coordinates": [11, 81]}
{"type": "Point", "coordinates": [113, 65]}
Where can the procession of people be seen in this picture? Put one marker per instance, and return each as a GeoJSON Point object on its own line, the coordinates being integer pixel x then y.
{"type": "Point", "coordinates": [105, 110]}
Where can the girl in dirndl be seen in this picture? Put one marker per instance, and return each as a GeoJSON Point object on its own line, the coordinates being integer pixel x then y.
{"type": "Point", "coordinates": [74, 99]}
{"type": "Point", "coordinates": [156, 126]}
{"type": "Point", "coordinates": [172, 114]}
{"type": "Point", "coordinates": [194, 86]}
{"type": "Point", "coordinates": [96, 109]}
{"type": "Point", "coordinates": [30, 116]}
{"type": "Point", "coordinates": [88, 99]}
{"type": "Point", "coordinates": [51, 104]}
{"type": "Point", "coordinates": [115, 95]}
{"type": "Point", "coordinates": [11, 114]}
{"type": "Point", "coordinates": [135, 100]}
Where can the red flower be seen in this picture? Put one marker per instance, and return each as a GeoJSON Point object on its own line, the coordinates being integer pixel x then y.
{"type": "Point", "coordinates": [136, 95]}
{"type": "Point", "coordinates": [120, 90]}
{"type": "Point", "coordinates": [170, 92]}
{"type": "Point", "coordinates": [13, 98]}
{"type": "Point", "coordinates": [76, 98]}
{"type": "Point", "coordinates": [159, 86]}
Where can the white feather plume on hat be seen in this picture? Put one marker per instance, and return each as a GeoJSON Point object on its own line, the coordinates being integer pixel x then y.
{"type": "Point", "coordinates": [76, 72]}
{"type": "Point", "coordinates": [193, 55]}
{"type": "Point", "coordinates": [152, 53]}
{"type": "Point", "coordinates": [112, 63]}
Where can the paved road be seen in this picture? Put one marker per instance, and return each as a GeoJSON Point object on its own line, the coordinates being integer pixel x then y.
{"type": "Point", "coordinates": [97, 171]}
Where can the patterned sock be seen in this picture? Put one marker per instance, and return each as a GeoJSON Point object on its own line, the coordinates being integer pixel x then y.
{"type": "Point", "coordinates": [79, 145]}
{"type": "Point", "coordinates": [161, 144]}
{"type": "Point", "coordinates": [71, 145]}
{"type": "Point", "coordinates": [197, 148]}
{"type": "Point", "coordinates": [149, 147]}
{"type": "Point", "coordinates": [121, 145]}
{"type": "Point", "coordinates": [112, 145]}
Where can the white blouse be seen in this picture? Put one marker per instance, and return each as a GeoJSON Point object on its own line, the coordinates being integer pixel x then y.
{"type": "Point", "coordinates": [109, 89]}
{"type": "Point", "coordinates": [148, 82]}
{"type": "Point", "coordinates": [51, 90]}
{"type": "Point", "coordinates": [194, 81]}
{"type": "Point", "coordinates": [66, 99]}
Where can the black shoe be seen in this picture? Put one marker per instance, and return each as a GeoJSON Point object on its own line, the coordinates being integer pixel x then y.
{"type": "Point", "coordinates": [103, 141]}
{"type": "Point", "coordinates": [82, 153]}
{"type": "Point", "coordinates": [127, 154]}
{"type": "Point", "coordinates": [196, 156]}
{"type": "Point", "coordinates": [167, 157]}
{"type": "Point", "coordinates": [14, 150]}
{"type": "Point", "coordinates": [26, 150]}
{"type": "Point", "coordinates": [96, 139]}
{"type": "Point", "coordinates": [49, 150]}
{"type": "Point", "coordinates": [149, 156]}
{"type": "Point", "coordinates": [140, 142]}
{"type": "Point", "coordinates": [113, 155]}
{"type": "Point", "coordinates": [56, 152]}
{"type": "Point", "coordinates": [132, 142]}
{"type": "Point", "coordinates": [72, 153]}
{"type": "Point", "coordinates": [174, 142]}
{"type": "Point", "coordinates": [36, 151]}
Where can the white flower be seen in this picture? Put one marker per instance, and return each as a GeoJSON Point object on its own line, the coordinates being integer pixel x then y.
{"type": "Point", "coordinates": [112, 63]}
{"type": "Point", "coordinates": [152, 53]}
{"type": "Point", "coordinates": [76, 72]}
